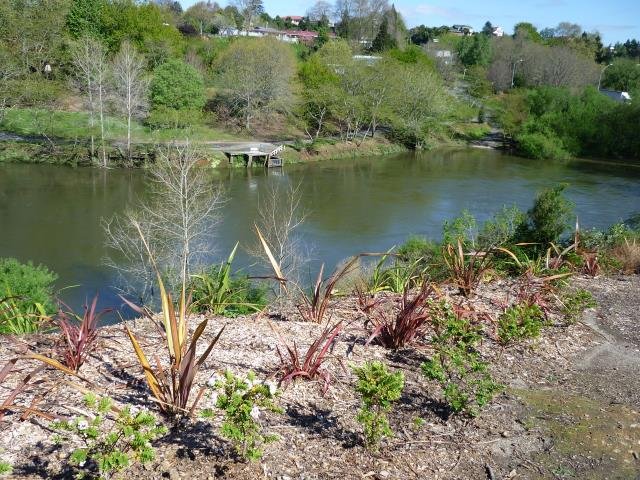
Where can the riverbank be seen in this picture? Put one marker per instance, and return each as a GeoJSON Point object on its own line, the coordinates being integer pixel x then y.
{"type": "Point", "coordinates": [564, 413]}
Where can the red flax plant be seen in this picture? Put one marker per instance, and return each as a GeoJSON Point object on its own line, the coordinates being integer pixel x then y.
{"type": "Point", "coordinates": [308, 364]}
{"type": "Point", "coordinates": [171, 385]}
{"type": "Point", "coordinates": [466, 269]}
{"type": "Point", "coordinates": [79, 334]}
{"type": "Point", "coordinates": [400, 328]}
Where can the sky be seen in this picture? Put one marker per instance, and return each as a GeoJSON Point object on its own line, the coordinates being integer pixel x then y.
{"type": "Point", "coordinates": [616, 20]}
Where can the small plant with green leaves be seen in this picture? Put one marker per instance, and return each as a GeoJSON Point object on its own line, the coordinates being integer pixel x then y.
{"type": "Point", "coordinates": [5, 468]}
{"type": "Point", "coordinates": [575, 303]}
{"type": "Point", "coordinates": [378, 388]}
{"type": "Point", "coordinates": [242, 400]}
{"type": "Point", "coordinates": [463, 375]}
{"type": "Point", "coordinates": [111, 445]}
{"type": "Point", "coordinates": [520, 322]}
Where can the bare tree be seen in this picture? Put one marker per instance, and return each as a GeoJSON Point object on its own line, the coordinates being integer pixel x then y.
{"type": "Point", "coordinates": [179, 220]}
{"type": "Point", "coordinates": [90, 61]}
{"type": "Point", "coordinates": [8, 72]}
{"type": "Point", "coordinates": [249, 9]}
{"type": "Point", "coordinates": [320, 11]}
{"type": "Point", "coordinates": [131, 86]}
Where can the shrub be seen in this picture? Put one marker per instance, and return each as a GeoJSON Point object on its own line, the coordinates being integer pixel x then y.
{"type": "Point", "coordinates": [520, 322]}
{"type": "Point", "coordinates": [379, 389]}
{"type": "Point", "coordinates": [215, 291]}
{"type": "Point", "coordinates": [166, 117]}
{"type": "Point", "coordinates": [110, 446]}
{"type": "Point", "coordinates": [26, 296]}
{"type": "Point", "coordinates": [32, 284]}
{"type": "Point", "coordinates": [466, 383]}
{"type": "Point", "coordinates": [541, 146]}
{"type": "Point", "coordinates": [575, 303]}
{"type": "Point", "coordinates": [177, 85]}
{"type": "Point", "coordinates": [550, 216]}
{"type": "Point", "coordinates": [424, 254]}
{"type": "Point", "coordinates": [241, 400]}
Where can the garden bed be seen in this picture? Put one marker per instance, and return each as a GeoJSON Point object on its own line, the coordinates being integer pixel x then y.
{"type": "Point", "coordinates": [319, 436]}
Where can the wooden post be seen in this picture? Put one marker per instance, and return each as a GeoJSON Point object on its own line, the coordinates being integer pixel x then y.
{"type": "Point", "coordinates": [249, 161]}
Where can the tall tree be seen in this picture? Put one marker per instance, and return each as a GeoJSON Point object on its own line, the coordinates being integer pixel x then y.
{"type": "Point", "coordinates": [487, 29]}
{"type": "Point", "coordinates": [251, 88]}
{"type": "Point", "coordinates": [92, 70]}
{"type": "Point", "coordinates": [131, 86]}
{"type": "Point", "coordinates": [249, 9]}
{"type": "Point", "coordinates": [383, 41]}
{"type": "Point", "coordinates": [85, 17]}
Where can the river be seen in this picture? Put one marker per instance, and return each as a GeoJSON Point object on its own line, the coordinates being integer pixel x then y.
{"type": "Point", "coordinates": [52, 215]}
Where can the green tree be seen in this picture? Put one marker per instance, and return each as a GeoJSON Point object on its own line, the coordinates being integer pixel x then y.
{"type": "Point", "coordinates": [250, 88]}
{"type": "Point", "coordinates": [84, 17]}
{"type": "Point", "coordinates": [383, 41]}
{"type": "Point", "coordinates": [178, 86]}
{"type": "Point", "coordinates": [487, 29]}
{"type": "Point", "coordinates": [550, 216]}
{"type": "Point", "coordinates": [474, 50]}
{"type": "Point", "coordinates": [622, 75]}
{"type": "Point", "coordinates": [527, 31]}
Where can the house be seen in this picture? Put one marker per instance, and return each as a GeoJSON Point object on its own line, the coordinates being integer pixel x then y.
{"type": "Point", "coordinates": [461, 30]}
{"type": "Point", "coordinates": [294, 19]}
{"type": "Point", "coordinates": [497, 32]}
{"type": "Point", "coordinates": [622, 97]}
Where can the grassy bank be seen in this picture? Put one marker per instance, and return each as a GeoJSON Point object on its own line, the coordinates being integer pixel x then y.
{"type": "Point", "coordinates": [75, 125]}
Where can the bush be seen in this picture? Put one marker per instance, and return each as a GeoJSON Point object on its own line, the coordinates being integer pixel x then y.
{"type": "Point", "coordinates": [550, 216]}
{"type": "Point", "coordinates": [466, 383]}
{"type": "Point", "coordinates": [177, 85]}
{"type": "Point", "coordinates": [113, 447]}
{"type": "Point", "coordinates": [379, 389]}
{"type": "Point", "coordinates": [520, 322]}
{"type": "Point", "coordinates": [541, 146]}
{"type": "Point", "coordinates": [241, 400]}
{"type": "Point", "coordinates": [25, 290]}
{"type": "Point", "coordinates": [165, 118]}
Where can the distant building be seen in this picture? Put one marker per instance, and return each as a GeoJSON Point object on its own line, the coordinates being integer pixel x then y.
{"type": "Point", "coordinates": [461, 30]}
{"type": "Point", "coordinates": [622, 97]}
{"type": "Point", "coordinates": [497, 32]}
{"type": "Point", "coordinates": [294, 19]}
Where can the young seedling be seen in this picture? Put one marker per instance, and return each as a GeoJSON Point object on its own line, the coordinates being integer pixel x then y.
{"type": "Point", "coordinates": [379, 389]}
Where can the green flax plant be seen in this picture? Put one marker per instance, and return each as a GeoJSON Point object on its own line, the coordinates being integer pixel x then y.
{"type": "Point", "coordinates": [171, 385]}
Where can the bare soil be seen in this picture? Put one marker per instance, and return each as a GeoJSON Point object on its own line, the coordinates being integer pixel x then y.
{"type": "Point", "coordinates": [569, 409]}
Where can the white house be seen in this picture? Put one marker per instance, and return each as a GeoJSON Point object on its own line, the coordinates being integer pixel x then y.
{"type": "Point", "coordinates": [497, 32]}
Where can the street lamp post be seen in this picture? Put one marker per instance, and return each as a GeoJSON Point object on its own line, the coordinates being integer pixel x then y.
{"type": "Point", "coordinates": [602, 73]}
{"type": "Point", "coordinates": [513, 73]}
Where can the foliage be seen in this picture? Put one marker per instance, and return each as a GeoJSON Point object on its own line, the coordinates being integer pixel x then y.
{"type": "Point", "coordinates": [232, 297]}
{"type": "Point", "coordinates": [20, 320]}
{"type": "Point", "coordinates": [474, 50]}
{"type": "Point", "coordinates": [171, 385]}
{"type": "Point", "coordinates": [177, 85]}
{"type": "Point", "coordinates": [242, 399]}
{"type": "Point", "coordinates": [541, 146]}
{"type": "Point", "coordinates": [520, 322]}
{"type": "Point", "coordinates": [501, 229]}
{"type": "Point", "coordinates": [170, 118]}
{"type": "Point", "coordinates": [308, 365]}
{"type": "Point", "coordinates": [466, 270]}
{"type": "Point", "coordinates": [623, 75]}
{"type": "Point", "coordinates": [79, 334]}
{"type": "Point", "coordinates": [5, 468]}
{"type": "Point", "coordinates": [397, 329]}
{"type": "Point", "coordinates": [32, 284]}
{"type": "Point", "coordinates": [550, 216]}
{"type": "Point", "coordinates": [466, 383]}
{"type": "Point", "coordinates": [463, 229]}
{"type": "Point", "coordinates": [110, 445]}
{"type": "Point", "coordinates": [384, 40]}
{"type": "Point", "coordinates": [575, 303]}
{"type": "Point", "coordinates": [248, 87]}
{"type": "Point", "coordinates": [378, 388]}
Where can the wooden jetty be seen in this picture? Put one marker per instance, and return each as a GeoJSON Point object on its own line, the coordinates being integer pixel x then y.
{"type": "Point", "coordinates": [265, 153]}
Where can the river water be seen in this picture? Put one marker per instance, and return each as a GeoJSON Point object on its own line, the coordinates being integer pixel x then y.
{"type": "Point", "coordinates": [52, 215]}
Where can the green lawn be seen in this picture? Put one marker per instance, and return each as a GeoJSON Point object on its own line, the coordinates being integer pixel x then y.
{"type": "Point", "coordinates": [75, 125]}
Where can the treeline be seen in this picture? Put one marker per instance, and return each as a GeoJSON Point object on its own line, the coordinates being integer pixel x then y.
{"type": "Point", "coordinates": [118, 60]}
{"type": "Point", "coordinates": [544, 87]}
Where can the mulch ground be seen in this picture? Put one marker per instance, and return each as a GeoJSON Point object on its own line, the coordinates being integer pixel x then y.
{"type": "Point", "coordinates": [319, 437]}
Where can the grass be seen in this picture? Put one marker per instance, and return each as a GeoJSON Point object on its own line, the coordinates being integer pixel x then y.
{"type": "Point", "coordinates": [75, 125]}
